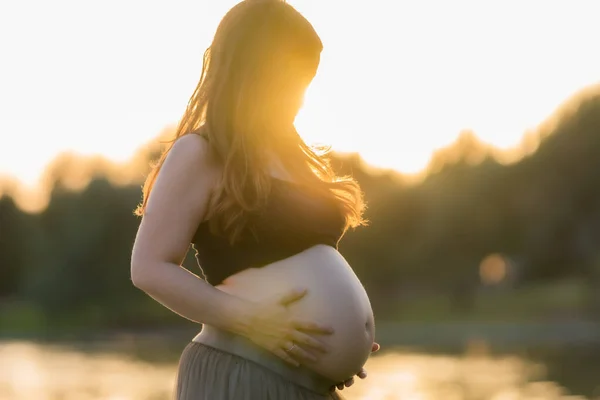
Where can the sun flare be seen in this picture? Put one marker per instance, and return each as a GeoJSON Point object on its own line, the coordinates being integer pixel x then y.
{"type": "Point", "coordinates": [393, 86]}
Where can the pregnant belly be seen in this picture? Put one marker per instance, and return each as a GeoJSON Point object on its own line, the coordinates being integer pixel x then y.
{"type": "Point", "coordinates": [335, 297]}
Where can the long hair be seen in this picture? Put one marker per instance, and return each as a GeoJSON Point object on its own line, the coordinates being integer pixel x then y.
{"type": "Point", "coordinates": [262, 58]}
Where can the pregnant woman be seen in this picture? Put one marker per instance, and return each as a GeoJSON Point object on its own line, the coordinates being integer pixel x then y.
{"type": "Point", "coordinates": [283, 314]}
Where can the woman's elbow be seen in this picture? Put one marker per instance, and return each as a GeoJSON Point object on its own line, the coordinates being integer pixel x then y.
{"type": "Point", "coordinates": [140, 272]}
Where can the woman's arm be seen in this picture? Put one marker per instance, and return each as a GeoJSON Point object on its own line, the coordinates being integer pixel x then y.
{"type": "Point", "coordinates": [191, 297]}
{"type": "Point", "coordinates": [175, 208]}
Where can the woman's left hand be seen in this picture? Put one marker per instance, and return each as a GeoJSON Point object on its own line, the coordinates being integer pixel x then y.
{"type": "Point", "coordinates": [362, 374]}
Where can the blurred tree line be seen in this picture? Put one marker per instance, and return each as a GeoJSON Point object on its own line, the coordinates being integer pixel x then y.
{"type": "Point", "coordinates": [69, 264]}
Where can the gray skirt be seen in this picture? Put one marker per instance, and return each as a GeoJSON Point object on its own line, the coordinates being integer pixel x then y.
{"type": "Point", "coordinates": [208, 373]}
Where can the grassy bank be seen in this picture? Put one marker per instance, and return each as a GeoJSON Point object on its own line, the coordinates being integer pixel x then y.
{"type": "Point", "coordinates": [550, 312]}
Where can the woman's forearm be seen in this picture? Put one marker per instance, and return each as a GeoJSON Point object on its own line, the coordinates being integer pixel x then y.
{"type": "Point", "coordinates": [191, 297]}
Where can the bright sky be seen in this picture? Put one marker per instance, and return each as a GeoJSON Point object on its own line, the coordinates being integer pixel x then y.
{"type": "Point", "coordinates": [398, 78]}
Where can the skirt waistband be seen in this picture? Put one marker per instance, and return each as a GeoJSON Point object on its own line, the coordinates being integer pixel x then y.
{"type": "Point", "coordinates": [242, 347]}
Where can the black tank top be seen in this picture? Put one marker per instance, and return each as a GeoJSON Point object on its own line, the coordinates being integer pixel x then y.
{"type": "Point", "coordinates": [292, 221]}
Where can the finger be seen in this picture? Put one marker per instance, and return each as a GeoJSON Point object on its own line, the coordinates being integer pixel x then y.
{"type": "Point", "coordinates": [375, 347]}
{"type": "Point", "coordinates": [299, 354]}
{"type": "Point", "coordinates": [292, 296]}
{"type": "Point", "coordinates": [308, 341]}
{"type": "Point", "coordinates": [362, 374]}
{"type": "Point", "coordinates": [310, 326]}
{"type": "Point", "coordinates": [344, 384]}
{"type": "Point", "coordinates": [286, 357]}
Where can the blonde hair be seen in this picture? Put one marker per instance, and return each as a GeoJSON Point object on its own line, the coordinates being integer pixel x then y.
{"type": "Point", "coordinates": [236, 107]}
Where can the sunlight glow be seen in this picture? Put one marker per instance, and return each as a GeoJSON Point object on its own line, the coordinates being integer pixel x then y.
{"type": "Point", "coordinates": [493, 269]}
{"type": "Point", "coordinates": [115, 373]}
{"type": "Point", "coordinates": [104, 78]}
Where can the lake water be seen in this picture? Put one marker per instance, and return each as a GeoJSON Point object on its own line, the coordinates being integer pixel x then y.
{"type": "Point", "coordinates": [113, 371]}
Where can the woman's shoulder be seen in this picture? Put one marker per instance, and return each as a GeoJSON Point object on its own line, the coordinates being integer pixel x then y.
{"type": "Point", "coordinates": [191, 155]}
{"type": "Point", "coordinates": [196, 147]}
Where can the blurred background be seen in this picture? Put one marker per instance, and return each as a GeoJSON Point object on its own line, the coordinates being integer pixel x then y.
{"type": "Point", "coordinates": [473, 128]}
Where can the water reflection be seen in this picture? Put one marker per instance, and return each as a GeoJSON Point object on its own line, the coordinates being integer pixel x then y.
{"type": "Point", "coordinates": [51, 372]}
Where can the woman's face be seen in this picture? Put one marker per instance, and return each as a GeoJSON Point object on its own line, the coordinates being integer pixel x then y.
{"type": "Point", "coordinates": [290, 84]}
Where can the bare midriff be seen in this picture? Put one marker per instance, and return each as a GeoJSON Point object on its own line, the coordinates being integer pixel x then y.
{"type": "Point", "coordinates": [335, 298]}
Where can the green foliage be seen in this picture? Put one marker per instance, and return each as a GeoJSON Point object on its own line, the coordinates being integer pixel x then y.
{"type": "Point", "coordinates": [69, 265]}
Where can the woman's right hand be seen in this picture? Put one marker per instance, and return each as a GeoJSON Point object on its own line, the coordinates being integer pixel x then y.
{"type": "Point", "coordinates": [273, 327]}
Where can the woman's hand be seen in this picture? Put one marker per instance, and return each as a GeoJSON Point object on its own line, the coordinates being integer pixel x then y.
{"type": "Point", "coordinates": [362, 374]}
{"type": "Point", "coordinates": [272, 327]}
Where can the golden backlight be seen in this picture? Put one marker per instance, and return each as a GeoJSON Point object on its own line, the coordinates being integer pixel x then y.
{"type": "Point", "coordinates": [398, 79]}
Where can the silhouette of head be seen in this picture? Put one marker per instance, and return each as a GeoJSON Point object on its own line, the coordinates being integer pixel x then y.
{"type": "Point", "coordinates": [262, 58]}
